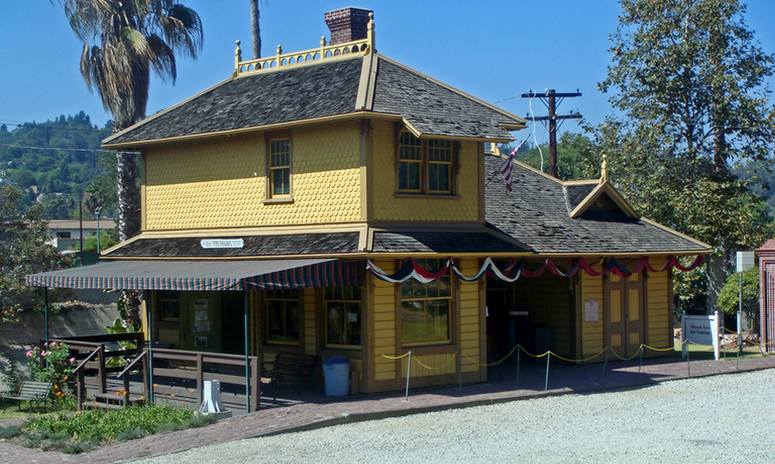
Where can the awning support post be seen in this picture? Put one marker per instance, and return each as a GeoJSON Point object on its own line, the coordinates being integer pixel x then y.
{"type": "Point", "coordinates": [149, 346]}
{"type": "Point", "coordinates": [246, 327]}
{"type": "Point", "coordinates": [45, 314]}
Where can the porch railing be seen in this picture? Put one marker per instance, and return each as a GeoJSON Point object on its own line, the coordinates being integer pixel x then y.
{"type": "Point", "coordinates": [178, 375]}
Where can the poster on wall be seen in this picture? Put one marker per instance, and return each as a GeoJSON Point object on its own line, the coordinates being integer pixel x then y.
{"type": "Point", "coordinates": [590, 310]}
{"type": "Point", "coordinates": [201, 319]}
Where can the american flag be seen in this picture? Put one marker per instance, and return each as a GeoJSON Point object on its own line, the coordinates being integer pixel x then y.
{"type": "Point", "coordinates": [507, 170]}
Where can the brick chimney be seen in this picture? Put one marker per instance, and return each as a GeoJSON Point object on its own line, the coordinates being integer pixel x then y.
{"type": "Point", "coordinates": [347, 24]}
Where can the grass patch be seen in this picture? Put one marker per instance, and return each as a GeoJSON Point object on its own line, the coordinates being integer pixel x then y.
{"type": "Point", "coordinates": [84, 430]}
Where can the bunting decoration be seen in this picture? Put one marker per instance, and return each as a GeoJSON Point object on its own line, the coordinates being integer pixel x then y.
{"type": "Point", "coordinates": [513, 271]}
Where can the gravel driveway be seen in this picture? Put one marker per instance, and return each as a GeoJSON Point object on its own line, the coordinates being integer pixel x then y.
{"type": "Point", "coordinates": [725, 419]}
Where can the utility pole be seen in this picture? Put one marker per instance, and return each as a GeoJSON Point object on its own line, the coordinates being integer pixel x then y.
{"type": "Point", "coordinates": [552, 100]}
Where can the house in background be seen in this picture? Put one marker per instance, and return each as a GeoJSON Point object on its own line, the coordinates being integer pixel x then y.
{"type": "Point", "coordinates": [65, 234]}
{"type": "Point", "coordinates": [334, 201]}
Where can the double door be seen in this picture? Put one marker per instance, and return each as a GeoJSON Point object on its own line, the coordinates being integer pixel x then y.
{"type": "Point", "coordinates": [624, 313]}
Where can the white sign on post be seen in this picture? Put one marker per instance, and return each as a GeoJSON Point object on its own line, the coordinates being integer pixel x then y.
{"type": "Point", "coordinates": [744, 261]}
{"type": "Point", "coordinates": [701, 330]}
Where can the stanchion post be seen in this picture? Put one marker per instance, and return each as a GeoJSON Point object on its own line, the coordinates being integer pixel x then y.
{"type": "Point", "coordinates": [688, 362]}
{"type": "Point", "coordinates": [605, 365]}
{"type": "Point", "coordinates": [519, 348]}
{"type": "Point", "coordinates": [640, 363]}
{"type": "Point", "coordinates": [408, 374]}
{"type": "Point", "coordinates": [459, 363]}
{"type": "Point", "coordinates": [546, 378]}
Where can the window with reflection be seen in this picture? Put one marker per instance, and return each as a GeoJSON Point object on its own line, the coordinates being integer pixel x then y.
{"type": "Point", "coordinates": [343, 316]}
{"type": "Point", "coordinates": [426, 309]}
{"type": "Point", "coordinates": [283, 316]}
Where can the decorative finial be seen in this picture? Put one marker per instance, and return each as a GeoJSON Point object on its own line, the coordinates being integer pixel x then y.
{"type": "Point", "coordinates": [237, 55]}
{"type": "Point", "coordinates": [370, 33]}
{"type": "Point", "coordinates": [322, 41]}
{"type": "Point", "coordinates": [279, 49]}
{"type": "Point", "coordinates": [604, 169]}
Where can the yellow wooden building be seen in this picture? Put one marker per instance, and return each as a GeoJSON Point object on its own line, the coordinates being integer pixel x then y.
{"type": "Point", "coordinates": [316, 184]}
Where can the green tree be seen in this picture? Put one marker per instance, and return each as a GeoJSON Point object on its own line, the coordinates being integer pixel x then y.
{"type": "Point", "coordinates": [728, 299]}
{"type": "Point", "coordinates": [688, 79]}
{"type": "Point", "coordinates": [23, 250]}
{"type": "Point", "coordinates": [123, 42]}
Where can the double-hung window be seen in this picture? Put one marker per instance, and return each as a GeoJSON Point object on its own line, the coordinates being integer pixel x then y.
{"type": "Point", "coordinates": [410, 161]}
{"type": "Point", "coordinates": [283, 316]}
{"type": "Point", "coordinates": [439, 166]}
{"type": "Point", "coordinates": [279, 167]}
{"type": "Point", "coordinates": [343, 316]}
{"type": "Point", "coordinates": [426, 309]}
{"type": "Point", "coordinates": [425, 167]}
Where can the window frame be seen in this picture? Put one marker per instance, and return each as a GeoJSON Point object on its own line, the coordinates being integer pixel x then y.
{"type": "Point", "coordinates": [160, 300]}
{"type": "Point", "coordinates": [270, 169]}
{"type": "Point", "coordinates": [267, 299]}
{"type": "Point", "coordinates": [425, 163]}
{"type": "Point", "coordinates": [451, 309]}
{"type": "Point", "coordinates": [326, 301]}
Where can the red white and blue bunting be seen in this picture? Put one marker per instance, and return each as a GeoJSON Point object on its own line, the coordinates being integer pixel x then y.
{"type": "Point", "coordinates": [514, 270]}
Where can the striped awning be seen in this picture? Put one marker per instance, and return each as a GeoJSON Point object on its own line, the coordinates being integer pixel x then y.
{"type": "Point", "coordinates": [204, 274]}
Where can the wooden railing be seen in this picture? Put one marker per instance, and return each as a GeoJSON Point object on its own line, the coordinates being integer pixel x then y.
{"type": "Point", "coordinates": [182, 375]}
{"type": "Point", "coordinates": [178, 375]}
{"type": "Point", "coordinates": [320, 54]}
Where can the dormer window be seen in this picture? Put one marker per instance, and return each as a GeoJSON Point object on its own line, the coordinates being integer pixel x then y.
{"type": "Point", "coordinates": [425, 167]}
{"type": "Point", "coordinates": [279, 167]}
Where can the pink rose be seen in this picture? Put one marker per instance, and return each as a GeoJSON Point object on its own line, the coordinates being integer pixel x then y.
{"type": "Point", "coordinates": [44, 353]}
{"type": "Point", "coordinates": [52, 345]}
{"type": "Point", "coordinates": [29, 353]}
{"type": "Point", "coordinates": [72, 360]}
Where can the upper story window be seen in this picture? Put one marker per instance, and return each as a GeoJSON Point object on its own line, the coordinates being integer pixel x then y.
{"type": "Point", "coordinates": [279, 167]}
{"type": "Point", "coordinates": [410, 162]}
{"type": "Point", "coordinates": [425, 166]}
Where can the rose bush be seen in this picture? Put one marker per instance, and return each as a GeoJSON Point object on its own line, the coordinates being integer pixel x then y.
{"type": "Point", "coordinates": [53, 364]}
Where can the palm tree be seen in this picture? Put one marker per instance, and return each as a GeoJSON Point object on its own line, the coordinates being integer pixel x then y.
{"type": "Point", "coordinates": [123, 41]}
{"type": "Point", "coordinates": [255, 27]}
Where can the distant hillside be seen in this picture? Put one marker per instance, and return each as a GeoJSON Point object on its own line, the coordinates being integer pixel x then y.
{"type": "Point", "coordinates": [53, 163]}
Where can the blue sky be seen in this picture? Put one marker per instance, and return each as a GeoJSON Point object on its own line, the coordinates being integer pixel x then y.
{"type": "Point", "coordinates": [492, 49]}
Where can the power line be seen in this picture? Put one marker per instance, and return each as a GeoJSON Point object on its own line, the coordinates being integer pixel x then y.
{"type": "Point", "coordinates": [552, 100]}
{"type": "Point", "coordinates": [30, 147]}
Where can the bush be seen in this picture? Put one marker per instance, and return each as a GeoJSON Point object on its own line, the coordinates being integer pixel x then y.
{"type": "Point", "coordinates": [52, 364]}
{"type": "Point", "coordinates": [120, 424]}
{"type": "Point", "coordinates": [728, 297]}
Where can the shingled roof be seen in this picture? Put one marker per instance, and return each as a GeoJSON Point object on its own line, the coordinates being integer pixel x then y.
{"type": "Point", "coordinates": [537, 214]}
{"type": "Point", "coordinates": [326, 89]}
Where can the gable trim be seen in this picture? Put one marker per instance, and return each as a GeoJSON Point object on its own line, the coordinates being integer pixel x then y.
{"type": "Point", "coordinates": [607, 188]}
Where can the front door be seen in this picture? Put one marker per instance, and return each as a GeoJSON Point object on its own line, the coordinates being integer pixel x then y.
{"type": "Point", "coordinates": [624, 314]}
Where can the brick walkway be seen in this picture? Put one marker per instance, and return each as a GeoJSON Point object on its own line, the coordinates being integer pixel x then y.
{"type": "Point", "coordinates": [562, 380]}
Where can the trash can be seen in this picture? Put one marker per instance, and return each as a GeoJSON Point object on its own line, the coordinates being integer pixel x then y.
{"type": "Point", "coordinates": [336, 371]}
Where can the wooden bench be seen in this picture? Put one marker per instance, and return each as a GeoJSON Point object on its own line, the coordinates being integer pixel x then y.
{"type": "Point", "coordinates": [29, 391]}
{"type": "Point", "coordinates": [290, 370]}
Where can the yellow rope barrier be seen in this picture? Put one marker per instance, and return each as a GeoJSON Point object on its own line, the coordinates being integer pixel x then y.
{"type": "Point", "coordinates": [654, 348]}
{"type": "Point", "coordinates": [630, 358]}
{"type": "Point", "coordinates": [536, 356]}
{"type": "Point", "coordinates": [395, 358]}
{"type": "Point", "coordinates": [582, 360]}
